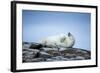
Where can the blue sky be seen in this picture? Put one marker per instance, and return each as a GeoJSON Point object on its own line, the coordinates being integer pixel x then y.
{"type": "Point", "coordinates": [40, 24]}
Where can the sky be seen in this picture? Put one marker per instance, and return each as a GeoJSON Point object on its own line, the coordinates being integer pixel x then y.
{"type": "Point", "coordinates": [40, 24]}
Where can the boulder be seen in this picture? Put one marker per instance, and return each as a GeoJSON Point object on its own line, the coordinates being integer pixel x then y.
{"type": "Point", "coordinates": [35, 46]}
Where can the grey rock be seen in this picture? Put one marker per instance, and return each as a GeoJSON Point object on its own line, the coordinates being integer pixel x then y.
{"type": "Point", "coordinates": [60, 58]}
{"type": "Point", "coordinates": [45, 55]}
{"type": "Point", "coordinates": [49, 59]}
{"type": "Point", "coordinates": [36, 46]}
{"type": "Point", "coordinates": [78, 58]}
{"type": "Point", "coordinates": [34, 52]}
{"type": "Point", "coordinates": [49, 49]}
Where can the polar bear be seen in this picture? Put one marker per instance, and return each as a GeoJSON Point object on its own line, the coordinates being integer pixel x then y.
{"type": "Point", "coordinates": [58, 41]}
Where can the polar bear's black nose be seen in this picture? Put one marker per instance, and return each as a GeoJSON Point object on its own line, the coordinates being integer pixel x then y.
{"type": "Point", "coordinates": [69, 34]}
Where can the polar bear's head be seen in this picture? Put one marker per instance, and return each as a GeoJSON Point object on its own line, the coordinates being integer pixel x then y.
{"type": "Point", "coordinates": [68, 40]}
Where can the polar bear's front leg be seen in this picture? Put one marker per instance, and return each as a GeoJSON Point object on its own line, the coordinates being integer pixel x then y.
{"type": "Point", "coordinates": [58, 48]}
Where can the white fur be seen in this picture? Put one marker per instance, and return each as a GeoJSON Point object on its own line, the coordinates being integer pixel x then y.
{"type": "Point", "coordinates": [62, 40]}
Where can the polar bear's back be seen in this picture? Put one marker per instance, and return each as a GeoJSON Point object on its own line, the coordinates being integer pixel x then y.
{"type": "Point", "coordinates": [52, 41]}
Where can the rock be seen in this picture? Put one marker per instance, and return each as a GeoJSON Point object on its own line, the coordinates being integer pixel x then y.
{"type": "Point", "coordinates": [49, 59]}
{"type": "Point", "coordinates": [37, 53]}
{"type": "Point", "coordinates": [35, 46]}
{"type": "Point", "coordinates": [45, 55]}
{"type": "Point", "coordinates": [30, 50]}
{"type": "Point", "coordinates": [54, 53]}
{"type": "Point", "coordinates": [69, 56]}
{"type": "Point", "coordinates": [26, 45]}
{"type": "Point", "coordinates": [79, 58]}
{"type": "Point", "coordinates": [60, 58]}
{"type": "Point", "coordinates": [35, 60]}
{"type": "Point", "coordinates": [28, 56]}
{"type": "Point", "coordinates": [49, 49]}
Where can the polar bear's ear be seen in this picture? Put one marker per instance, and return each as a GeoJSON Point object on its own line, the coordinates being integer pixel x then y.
{"type": "Point", "coordinates": [69, 34]}
{"type": "Point", "coordinates": [62, 39]}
